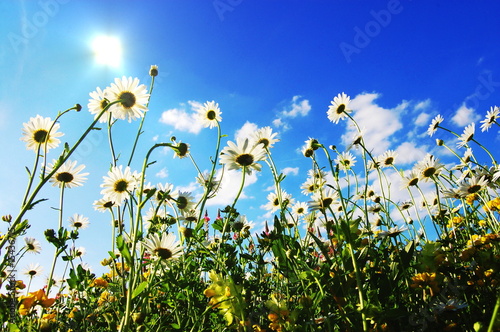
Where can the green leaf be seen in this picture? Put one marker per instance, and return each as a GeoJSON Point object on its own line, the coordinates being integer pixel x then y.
{"type": "Point", "coordinates": [13, 328]}
{"type": "Point", "coordinates": [139, 289]}
{"type": "Point", "coordinates": [124, 250]}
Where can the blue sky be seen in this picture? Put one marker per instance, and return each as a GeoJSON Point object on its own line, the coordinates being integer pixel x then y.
{"type": "Point", "coordinates": [266, 62]}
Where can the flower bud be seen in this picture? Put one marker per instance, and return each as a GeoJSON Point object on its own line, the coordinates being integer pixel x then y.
{"type": "Point", "coordinates": [439, 142]}
{"type": "Point", "coordinates": [153, 71]}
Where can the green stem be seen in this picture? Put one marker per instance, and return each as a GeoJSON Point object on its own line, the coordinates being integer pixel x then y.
{"type": "Point", "coordinates": [139, 131]}
{"type": "Point", "coordinates": [494, 316]}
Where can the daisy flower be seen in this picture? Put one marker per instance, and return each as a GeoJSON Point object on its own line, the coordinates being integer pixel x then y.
{"type": "Point", "coordinates": [40, 131]}
{"type": "Point", "coordinates": [164, 247]}
{"type": "Point", "coordinates": [77, 252]}
{"type": "Point", "coordinates": [311, 185]}
{"type": "Point", "coordinates": [466, 136]}
{"type": "Point", "coordinates": [274, 205]}
{"type": "Point", "coordinates": [339, 108]}
{"type": "Point", "coordinates": [189, 216]}
{"type": "Point", "coordinates": [387, 159]}
{"type": "Point", "coordinates": [429, 167]}
{"type": "Point", "coordinates": [97, 103]}
{"type": "Point", "coordinates": [103, 205]}
{"type": "Point", "coordinates": [473, 185]}
{"type": "Point", "coordinates": [491, 117]}
{"type": "Point", "coordinates": [299, 209]}
{"type": "Point", "coordinates": [209, 114]}
{"type": "Point", "coordinates": [411, 179]}
{"type": "Point", "coordinates": [434, 125]}
{"type": "Point", "coordinates": [118, 184]}
{"type": "Point", "coordinates": [242, 155]}
{"type": "Point", "coordinates": [357, 140]}
{"type": "Point", "coordinates": [33, 270]}
{"type": "Point", "coordinates": [184, 201]}
{"type": "Point", "coordinates": [242, 225]}
{"type": "Point", "coordinates": [181, 150]}
{"type": "Point", "coordinates": [211, 185]}
{"type": "Point", "coordinates": [345, 160]}
{"type": "Point", "coordinates": [77, 221]}
{"type": "Point", "coordinates": [163, 192]}
{"type": "Point", "coordinates": [32, 245]}
{"type": "Point", "coordinates": [265, 136]}
{"type": "Point", "coordinates": [323, 199]}
{"type": "Point", "coordinates": [68, 175]}
{"type": "Point", "coordinates": [134, 98]}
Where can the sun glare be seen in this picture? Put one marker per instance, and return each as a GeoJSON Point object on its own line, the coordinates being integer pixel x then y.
{"type": "Point", "coordinates": [107, 50]}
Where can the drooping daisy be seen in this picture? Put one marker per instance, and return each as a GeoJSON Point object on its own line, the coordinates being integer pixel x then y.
{"type": "Point", "coordinates": [491, 117]}
{"type": "Point", "coordinates": [164, 247]}
{"type": "Point", "coordinates": [339, 108]}
{"type": "Point", "coordinates": [242, 155]}
{"type": "Point", "coordinates": [118, 184]}
{"type": "Point", "coordinates": [32, 245]}
{"type": "Point", "coordinates": [33, 270]}
{"type": "Point", "coordinates": [467, 135]}
{"type": "Point", "coordinates": [265, 136]}
{"type": "Point", "coordinates": [313, 143]}
{"type": "Point", "coordinates": [68, 175]}
{"type": "Point", "coordinates": [209, 114]}
{"type": "Point", "coordinates": [307, 152]}
{"type": "Point", "coordinates": [184, 201]}
{"type": "Point", "coordinates": [323, 199]}
{"type": "Point", "coordinates": [181, 150]}
{"type": "Point", "coordinates": [97, 103]}
{"type": "Point", "coordinates": [77, 221]}
{"type": "Point", "coordinates": [41, 132]}
{"type": "Point", "coordinates": [345, 160]}
{"type": "Point", "coordinates": [429, 167]}
{"type": "Point", "coordinates": [473, 185]}
{"type": "Point", "coordinates": [434, 125]}
{"type": "Point", "coordinates": [273, 199]}
{"type": "Point", "coordinates": [103, 205]}
{"type": "Point", "coordinates": [357, 140]}
{"type": "Point", "coordinates": [134, 98]}
{"type": "Point", "coordinates": [153, 71]}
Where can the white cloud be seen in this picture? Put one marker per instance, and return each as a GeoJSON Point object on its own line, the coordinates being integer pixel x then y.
{"type": "Point", "coordinates": [423, 105]}
{"type": "Point", "coordinates": [181, 119]}
{"type": "Point", "coordinates": [296, 107]}
{"type": "Point", "coordinates": [465, 116]}
{"type": "Point", "coordinates": [229, 188]}
{"type": "Point", "coordinates": [377, 123]}
{"type": "Point", "coordinates": [301, 108]}
{"type": "Point", "coordinates": [245, 131]}
{"type": "Point", "coordinates": [290, 171]}
{"type": "Point", "coordinates": [409, 153]}
{"type": "Point", "coordinates": [163, 173]}
{"type": "Point", "coordinates": [422, 119]}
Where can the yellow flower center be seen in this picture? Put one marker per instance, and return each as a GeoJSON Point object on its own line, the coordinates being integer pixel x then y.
{"type": "Point", "coordinates": [211, 115]}
{"type": "Point", "coordinates": [163, 253]}
{"type": "Point", "coordinates": [244, 159]}
{"type": "Point", "coordinates": [65, 177]}
{"type": "Point", "coordinates": [41, 136]}
{"type": "Point", "coordinates": [121, 186]}
{"type": "Point", "coordinates": [127, 99]}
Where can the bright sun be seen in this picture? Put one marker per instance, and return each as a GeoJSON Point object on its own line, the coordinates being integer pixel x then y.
{"type": "Point", "coordinates": [107, 50]}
